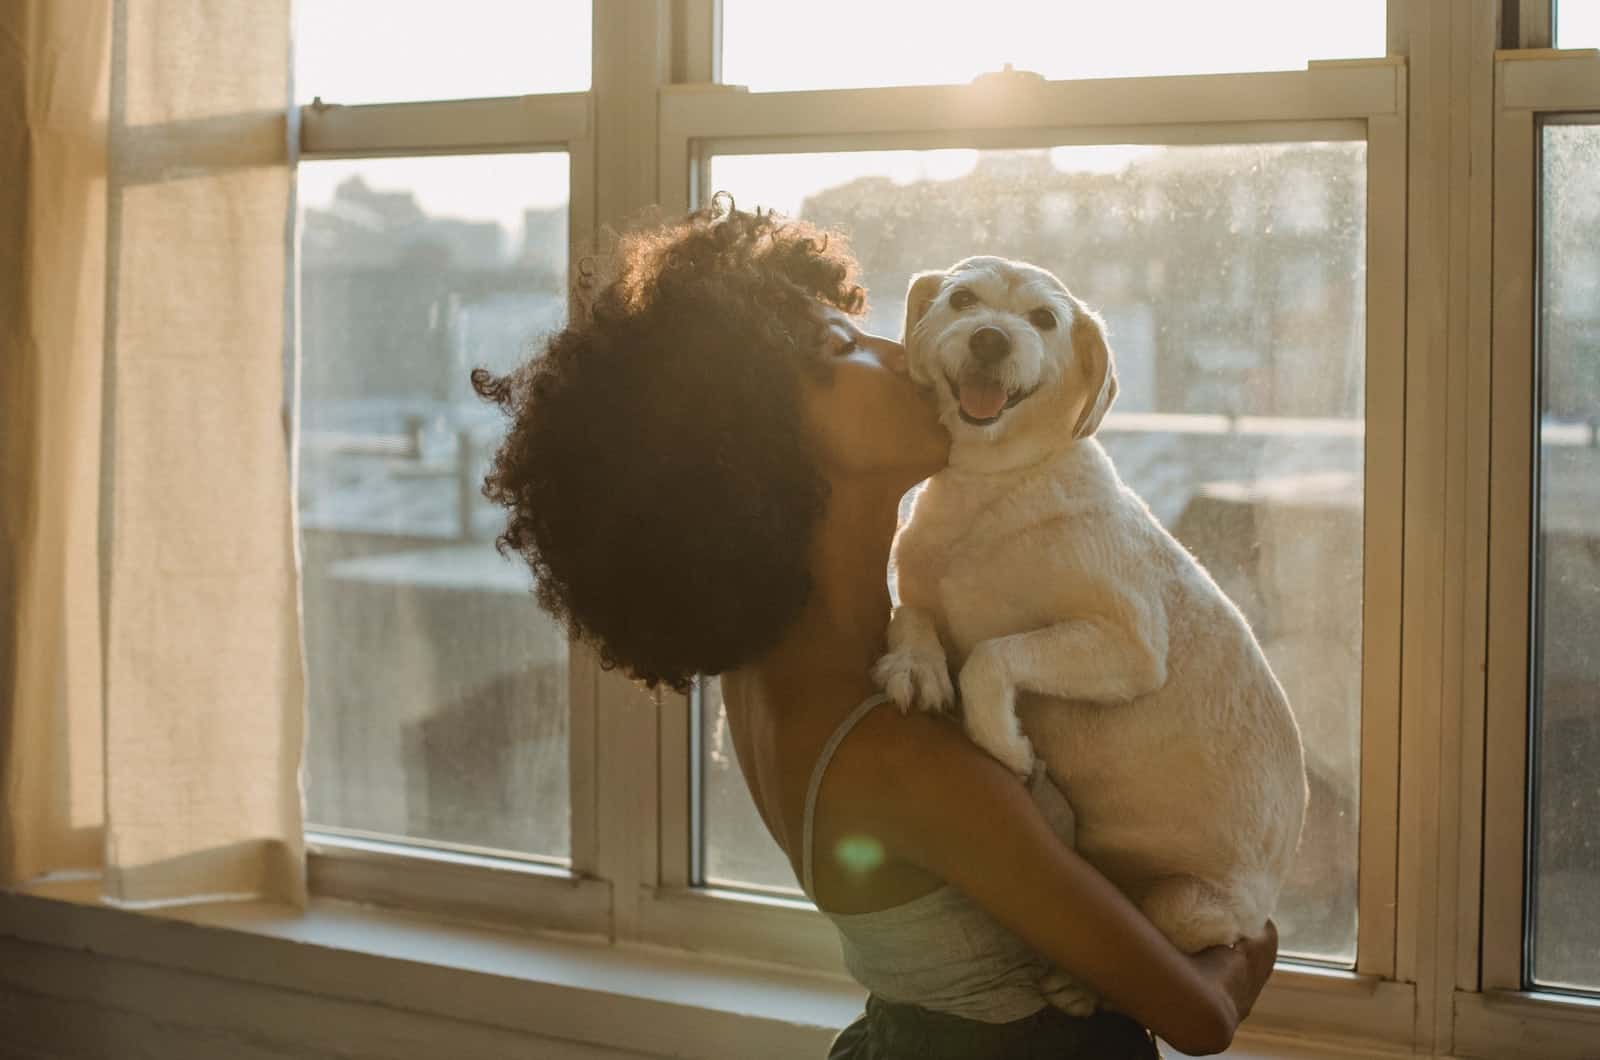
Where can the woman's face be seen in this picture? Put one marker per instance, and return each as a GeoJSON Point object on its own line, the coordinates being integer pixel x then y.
{"type": "Point", "coordinates": [869, 417]}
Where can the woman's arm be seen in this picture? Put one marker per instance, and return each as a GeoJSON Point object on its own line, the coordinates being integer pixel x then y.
{"type": "Point", "coordinates": [945, 806]}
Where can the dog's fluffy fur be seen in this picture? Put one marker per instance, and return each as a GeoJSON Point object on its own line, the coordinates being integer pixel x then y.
{"type": "Point", "coordinates": [1079, 628]}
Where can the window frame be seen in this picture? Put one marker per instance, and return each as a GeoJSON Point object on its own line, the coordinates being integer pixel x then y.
{"type": "Point", "coordinates": [1506, 1015]}
{"type": "Point", "coordinates": [386, 870]}
{"type": "Point", "coordinates": [1336, 100]}
{"type": "Point", "coordinates": [1443, 972]}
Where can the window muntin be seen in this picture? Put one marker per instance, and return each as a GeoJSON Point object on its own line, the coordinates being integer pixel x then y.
{"type": "Point", "coordinates": [386, 51]}
{"type": "Point", "coordinates": [1564, 839]}
{"type": "Point", "coordinates": [1577, 23]}
{"type": "Point", "coordinates": [846, 44]}
{"type": "Point", "coordinates": [437, 688]}
{"type": "Point", "coordinates": [1233, 282]}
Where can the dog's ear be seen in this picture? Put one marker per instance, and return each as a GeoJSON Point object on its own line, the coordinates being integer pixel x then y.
{"type": "Point", "coordinates": [1089, 343]}
{"type": "Point", "coordinates": [919, 296]}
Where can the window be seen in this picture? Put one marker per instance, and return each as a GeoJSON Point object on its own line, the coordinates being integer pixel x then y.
{"type": "Point", "coordinates": [1577, 23]}
{"type": "Point", "coordinates": [839, 44]}
{"type": "Point", "coordinates": [1372, 422]}
{"type": "Point", "coordinates": [435, 236]}
{"type": "Point", "coordinates": [1243, 238]}
{"type": "Point", "coordinates": [735, 849]}
{"type": "Point", "coordinates": [1239, 421]}
{"type": "Point", "coordinates": [1564, 845]}
{"type": "Point", "coordinates": [1541, 842]}
{"type": "Point", "coordinates": [386, 51]}
{"type": "Point", "coordinates": [437, 688]}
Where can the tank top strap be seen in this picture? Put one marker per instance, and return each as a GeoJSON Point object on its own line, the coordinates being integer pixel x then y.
{"type": "Point", "coordinates": [816, 782]}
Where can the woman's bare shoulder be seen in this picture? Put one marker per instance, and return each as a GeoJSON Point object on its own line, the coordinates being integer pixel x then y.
{"type": "Point", "coordinates": [911, 775]}
{"type": "Point", "coordinates": [903, 738]}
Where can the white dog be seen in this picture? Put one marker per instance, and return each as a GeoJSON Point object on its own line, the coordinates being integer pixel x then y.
{"type": "Point", "coordinates": [1080, 629]}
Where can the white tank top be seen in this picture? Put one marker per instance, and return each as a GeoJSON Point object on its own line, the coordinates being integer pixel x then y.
{"type": "Point", "coordinates": [939, 951]}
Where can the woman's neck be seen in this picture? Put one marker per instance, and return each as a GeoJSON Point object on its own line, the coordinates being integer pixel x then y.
{"type": "Point", "coordinates": [840, 632]}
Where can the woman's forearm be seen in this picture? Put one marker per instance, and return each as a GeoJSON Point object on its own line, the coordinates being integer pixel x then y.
{"type": "Point", "coordinates": [1101, 938]}
{"type": "Point", "coordinates": [960, 815]}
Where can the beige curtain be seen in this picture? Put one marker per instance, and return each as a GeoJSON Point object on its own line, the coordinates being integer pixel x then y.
{"type": "Point", "coordinates": [150, 662]}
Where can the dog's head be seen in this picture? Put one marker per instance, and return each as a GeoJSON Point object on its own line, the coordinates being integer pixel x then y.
{"type": "Point", "coordinates": [1009, 350]}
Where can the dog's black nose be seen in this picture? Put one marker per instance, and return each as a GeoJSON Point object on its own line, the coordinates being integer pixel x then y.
{"type": "Point", "coordinates": [989, 344]}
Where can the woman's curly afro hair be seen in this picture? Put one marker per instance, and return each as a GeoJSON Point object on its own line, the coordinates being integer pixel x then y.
{"type": "Point", "coordinates": [658, 475]}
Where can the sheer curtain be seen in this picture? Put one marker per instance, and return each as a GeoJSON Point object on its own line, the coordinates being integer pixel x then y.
{"type": "Point", "coordinates": [152, 719]}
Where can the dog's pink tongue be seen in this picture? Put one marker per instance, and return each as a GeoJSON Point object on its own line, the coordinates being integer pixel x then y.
{"type": "Point", "coordinates": [982, 399]}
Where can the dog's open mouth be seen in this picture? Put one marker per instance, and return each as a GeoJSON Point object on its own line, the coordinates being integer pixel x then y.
{"type": "Point", "coordinates": [982, 400]}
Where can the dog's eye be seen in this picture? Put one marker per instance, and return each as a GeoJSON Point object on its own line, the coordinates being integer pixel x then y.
{"type": "Point", "coordinates": [961, 298]}
{"type": "Point", "coordinates": [1042, 319]}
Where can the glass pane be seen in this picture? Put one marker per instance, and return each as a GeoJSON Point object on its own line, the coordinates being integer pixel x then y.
{"type": "Point", "coordinates": [1234, 283]}
{"type": "Point", "coordinates": [846, 44]}
{"type": "Point", "coordinates": [1578, 23]}
{"type": "Point", "coordinates": [438, 689]}
{"type": "Point", "coordinates": [735, 846]}
{"type": "Point", "coordinates": [1565, 845]}
{"type": "Point", "coordinates": [384, 51]}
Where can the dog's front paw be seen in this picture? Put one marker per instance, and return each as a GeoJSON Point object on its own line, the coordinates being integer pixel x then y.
{"type": "Point", "coordinates": [914, 679]}
{"type": "Point", "coordinates": [988, 708]}
{"type": "Point", "coordinates": [1016, 754]}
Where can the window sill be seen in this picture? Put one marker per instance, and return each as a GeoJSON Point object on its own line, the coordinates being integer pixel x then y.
{"type": "Point", "coordinates": [1510, 1025]}
{"type": "Point", "coordinates": [630, 1000]}
{"type": "Point", "coordinates": [370, 967]}
{"type": "Point", "coordinates": [453, 885]}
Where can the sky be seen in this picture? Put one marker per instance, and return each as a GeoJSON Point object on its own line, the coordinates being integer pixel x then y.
{"type": "Point", "coordinates": [782, 182]}
{"type": "Point", "coordinates": [471, 187]}
{"type": "Point", "coordinates": [1578, 23]}
{"type": "Point", "coordinates": [370, 51]}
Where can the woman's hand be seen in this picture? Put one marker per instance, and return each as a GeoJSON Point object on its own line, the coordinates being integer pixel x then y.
{"type": "Point", "coordinates": [1241, 970]}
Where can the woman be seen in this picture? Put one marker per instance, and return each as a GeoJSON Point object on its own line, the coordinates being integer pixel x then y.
{"type": "Point", "coordinates": [703, 471]}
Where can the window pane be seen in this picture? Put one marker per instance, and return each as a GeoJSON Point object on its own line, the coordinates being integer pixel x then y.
{"type": "Point", "coordinates": [1233, 281]}
{"type": "Point", "coordinates": [735, 846]}
{"type": "Point", "coordinates": [1578, 23]}
{"type": "Point", "coordinates": [845, 44]}
{"type": "Point", "coordinates": [1566, 745]}
{"type": "Point", "coordinates": [438, 689]}
{"type": "Point", "coordinates": [383, 51]}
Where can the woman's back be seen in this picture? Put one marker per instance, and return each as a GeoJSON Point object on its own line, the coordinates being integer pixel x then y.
{"type": "Point", "coordinates": [778, 751]}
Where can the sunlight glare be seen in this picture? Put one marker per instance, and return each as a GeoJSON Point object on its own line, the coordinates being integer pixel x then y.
{"type": "Point", "coordinates": [846, 43]}
{"type": "Point", "coordinates": [462, 187]}
{"type": "Point", "coordinates": [387, 51]}
{"type": "Point", "coordinates": [1578, 23]}
{"type": "Point", "coordinates": [1107, 158]}
{"type": "Point", "coordinates": [785, 180]}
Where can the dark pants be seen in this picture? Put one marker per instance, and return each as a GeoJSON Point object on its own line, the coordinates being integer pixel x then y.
{"type": "Point", "coordinates": [888, 1031]}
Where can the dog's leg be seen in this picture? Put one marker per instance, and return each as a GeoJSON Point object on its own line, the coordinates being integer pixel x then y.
{"type": "Point", "coordinates": [1092, 659]}
{"type": "Point", "coordinates": [989, 707]}
{"type": "Point", "coordinates": [915, 671]}
{"type": "Point", "coordinates": [1192, 913]}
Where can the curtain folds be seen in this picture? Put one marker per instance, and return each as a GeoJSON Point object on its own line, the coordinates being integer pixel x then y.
{"type": "Point", "coordinates": [150, 660]}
